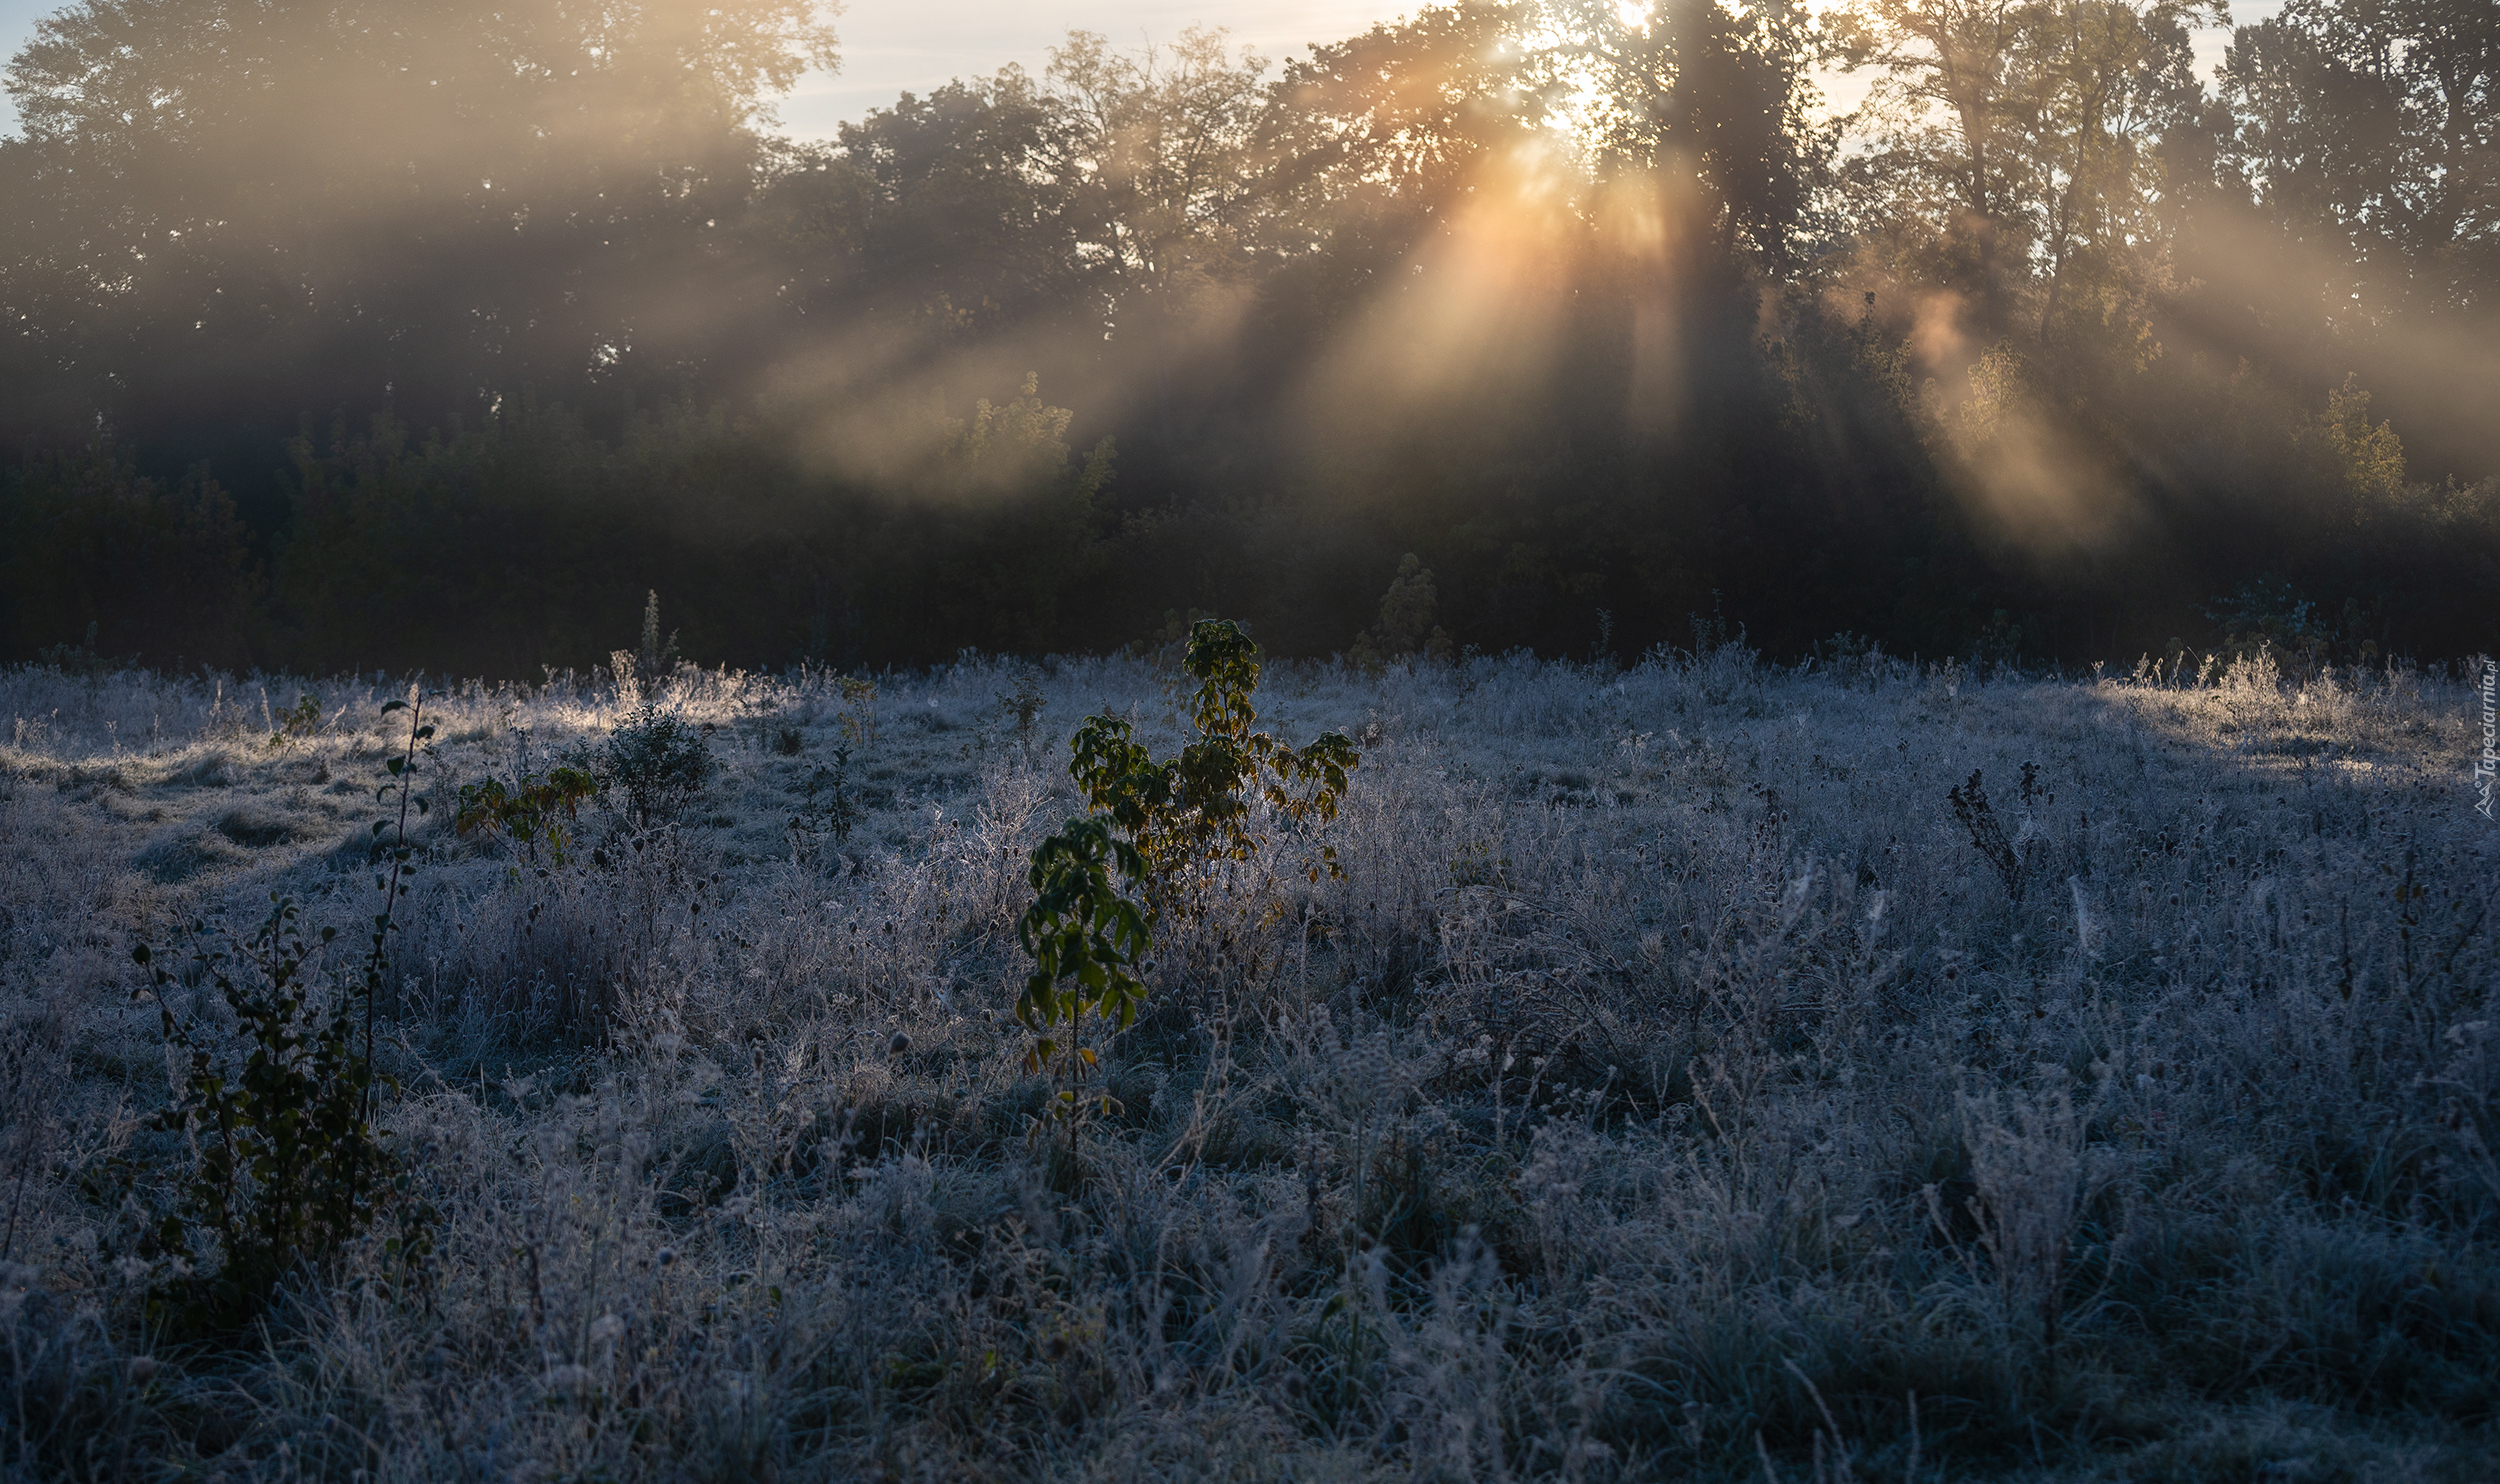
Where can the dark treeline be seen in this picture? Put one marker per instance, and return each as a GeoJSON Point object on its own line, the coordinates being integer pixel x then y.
{"type": "Point", "coordinates": [434, 334]}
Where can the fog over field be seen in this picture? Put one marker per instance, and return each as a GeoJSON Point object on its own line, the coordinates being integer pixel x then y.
{"type": "Point", "coordinates": [1705, 1068]}
{"type": "Point", "coordinates": [2084, 338]}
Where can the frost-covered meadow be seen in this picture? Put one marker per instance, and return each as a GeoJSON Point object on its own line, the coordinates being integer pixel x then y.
{"type": "Point", "coordinates": [1671, 1088]}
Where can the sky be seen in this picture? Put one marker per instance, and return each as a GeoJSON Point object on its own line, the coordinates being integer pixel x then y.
{"type": "Point", "coordinates": [893, 46]}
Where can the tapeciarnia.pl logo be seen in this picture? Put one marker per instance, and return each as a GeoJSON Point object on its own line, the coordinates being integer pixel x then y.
{"type": "Point", "coordinates": [2489, 763]}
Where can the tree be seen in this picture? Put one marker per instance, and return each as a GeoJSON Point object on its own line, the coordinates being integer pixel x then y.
{"type": "Point", "coordinates": [97, 559]}
{"type": "Point", "coordinates": [1158, 158]}
{"type": "Point", "coordinates": [2371, 128]}
{"type": "Point", "coordinates": [2110, 77]}
{"type": "Point", "coordinates": [2030, 161]}
{"type": "Point", "coordinates": [968, 214]}
{"type": "Point", "coordinates": [1950, 111]}
{"type": "Point", "coordinates": [1692, 90]}
{"type": "Point", "coordinates": [1372, 144]}
{"type": "Point", "coordinates": [1405, 113]}
{"type": "Point", "coordinates": [250, 209]}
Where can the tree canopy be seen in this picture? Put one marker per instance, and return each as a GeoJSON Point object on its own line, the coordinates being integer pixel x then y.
{"type": "Point", "coordinates": [1592, 310]}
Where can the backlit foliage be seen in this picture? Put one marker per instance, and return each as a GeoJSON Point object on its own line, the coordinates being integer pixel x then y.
{"type": "Point", "coordinates": [1156, 827]}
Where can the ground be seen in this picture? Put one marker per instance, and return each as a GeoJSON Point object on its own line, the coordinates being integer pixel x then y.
{"type": "Point", "coordinates": [1702, 1069]}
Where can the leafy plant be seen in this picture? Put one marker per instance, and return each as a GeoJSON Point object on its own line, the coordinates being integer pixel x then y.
{"type": "Point", "coordinates": [532, 811]}
{"type": "Point", "coordinates": [1025, 705]}
{"type": "Point", "coordinates": [659, 762]}
{"type": "Point", "coordinates": [1186, 811]}
{"type": "Point", "coordinates": [296, 723]}
{"type": "Point", "coordinates": [859, 709]}
{"type": "Point", "coordinates": [1153, 825]}
{"type": "Point", "coordinates": [1475, 864]}
{"type": "Point", "coordinates": [1086, 939]}
{"type": "Point", "coordinates": [829, 808]}
{"type": "Point", "coordinates": [286, 1166]}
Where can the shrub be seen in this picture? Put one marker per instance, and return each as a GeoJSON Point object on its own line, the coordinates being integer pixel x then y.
{"type": "Point", "coordinates": [829, 808]}
{"type": "Point", "coordinates": [288, 1167]}
{"type": "Point", "coordinates": [2269, 615]}
{"type": "Point", "coordinates": [79, 659]}
{"type": "Point", "coordinates": [1186, 811]}
{"type": "Point", "coordinates": [1085, 937]}
{"type": "Point", "coordinates": [143, 569]}
{"type": "Point", "coordinates": [297, 723]}
{"type": "Point", "coordinates": [658, 762]}
{"type": "Point", "coordinates": [1025, 705]}
{"type": "Point", "coordinates": [533, 811]}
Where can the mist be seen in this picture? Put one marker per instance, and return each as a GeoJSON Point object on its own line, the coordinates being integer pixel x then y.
{"type": "Point", "coordinates": [432, 336]}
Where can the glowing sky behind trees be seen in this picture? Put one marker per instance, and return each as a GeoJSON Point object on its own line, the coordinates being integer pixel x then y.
{"type": "Point", "coordinates": [891, 46]}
